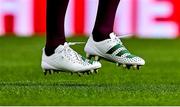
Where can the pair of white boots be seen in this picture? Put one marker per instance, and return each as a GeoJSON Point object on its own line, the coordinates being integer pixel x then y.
{"type": "Point", "coordinates": [65, 59]}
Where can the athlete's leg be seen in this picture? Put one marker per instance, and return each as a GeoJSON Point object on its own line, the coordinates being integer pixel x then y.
{"type": "Point", "coordinates": [58, 55]}
{"type": "Point", "coordinates": [105, 19]}
{"type": "Point", "coordinates": [56, 10]}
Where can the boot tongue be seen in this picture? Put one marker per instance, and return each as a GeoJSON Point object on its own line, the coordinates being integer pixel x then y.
{"type": "Point", "coordinates": [112, 35]}
{"type": "Point", "coordinates": [59, 48]}
{"type": "Point", "coordinates": [68, 51]}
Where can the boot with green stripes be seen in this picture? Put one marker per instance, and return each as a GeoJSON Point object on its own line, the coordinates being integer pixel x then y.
{"type": "Point", "coordinates": [112, 50]}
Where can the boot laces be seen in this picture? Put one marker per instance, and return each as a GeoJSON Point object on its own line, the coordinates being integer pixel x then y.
{"type": "Point", "coordinates": [73, 55]}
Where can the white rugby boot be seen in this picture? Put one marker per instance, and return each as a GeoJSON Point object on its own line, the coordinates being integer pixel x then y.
{"type": "Point", "coordinates": [112, 50]}
{"type": "Point", "coordinates": [65, 59]}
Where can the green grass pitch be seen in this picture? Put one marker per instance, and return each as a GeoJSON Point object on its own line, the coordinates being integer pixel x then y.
{"type": "Point", "coordinates": [22, 81]}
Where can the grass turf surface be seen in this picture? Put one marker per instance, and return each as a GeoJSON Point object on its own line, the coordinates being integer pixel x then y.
{"type": "Point", "coordinates": [23, 83]}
